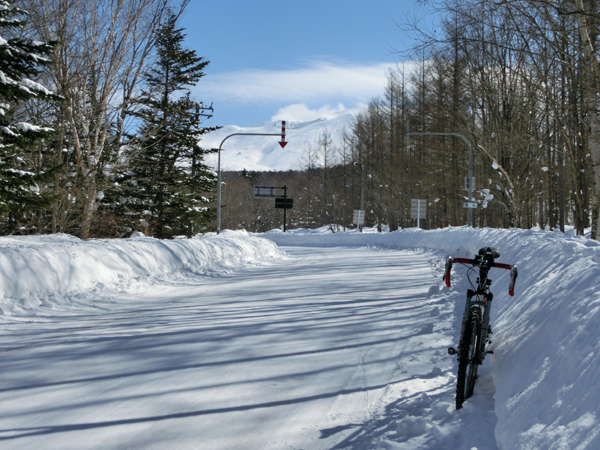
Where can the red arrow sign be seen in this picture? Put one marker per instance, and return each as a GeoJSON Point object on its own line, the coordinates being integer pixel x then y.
{"type": "Point", "coordinates": [282, 142]}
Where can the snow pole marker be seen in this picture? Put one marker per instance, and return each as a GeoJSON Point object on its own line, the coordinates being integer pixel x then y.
{"type": "Point", "coordinates": [282, 142]}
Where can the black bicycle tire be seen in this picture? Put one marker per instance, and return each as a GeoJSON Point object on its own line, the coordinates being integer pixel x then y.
{"type": "Point", "coordinates": [475, 352]}
{"type": "Point", "coordinates": [468, 360]}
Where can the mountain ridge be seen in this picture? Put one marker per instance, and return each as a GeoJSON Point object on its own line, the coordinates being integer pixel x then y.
{"type": "Point", "coordinates": [263, 153]}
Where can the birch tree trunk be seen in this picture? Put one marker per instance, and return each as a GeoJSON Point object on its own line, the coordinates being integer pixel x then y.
{"type": "Point", "coordinates": [103, 46]}
{"type": "Point", "coordinates": [591, 91]}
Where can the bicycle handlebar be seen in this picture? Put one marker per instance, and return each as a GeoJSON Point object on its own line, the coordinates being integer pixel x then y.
{"type": "Point", "coordinates": [475, 262]}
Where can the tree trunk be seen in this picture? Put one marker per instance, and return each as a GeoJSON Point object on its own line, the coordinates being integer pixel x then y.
{"type": "Point", "coordinates": [90, 205]}
{"type": "Point", "coordinates": [590, 91]}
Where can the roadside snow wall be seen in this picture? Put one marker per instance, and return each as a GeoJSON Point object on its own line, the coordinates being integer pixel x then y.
{"type": "Point", "coordinates": [42, 265]}
{"type": "Point", "coordinates": [546, 365]}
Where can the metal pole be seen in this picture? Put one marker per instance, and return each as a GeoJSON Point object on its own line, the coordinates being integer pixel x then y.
{"type": "Point", "coordinates": [414, 133]}
{"type": "Point", "coordinates": [219, 189]}
{"type": "Point", "coordinates": [284, 206]}
{"type": "Point", "coordinates": [362, 196]}
{"type": "Point", "coordinates": [219, 170]}
{"type": "Point", "coordinates": [334, 219]}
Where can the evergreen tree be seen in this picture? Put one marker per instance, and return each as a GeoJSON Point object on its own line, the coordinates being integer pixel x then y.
{"type": "Point", "coordinates": [163, 189]}
{"type": "Point", "coordinates": [20, 62]}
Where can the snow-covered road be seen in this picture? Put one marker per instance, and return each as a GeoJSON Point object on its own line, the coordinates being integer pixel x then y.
{"type": "Point", "coordinates": [304, 353]}
{"type": "Point", "coordinates": [340, 343]}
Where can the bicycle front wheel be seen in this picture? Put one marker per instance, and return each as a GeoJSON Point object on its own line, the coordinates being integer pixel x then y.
{"type": "Point", "coordinates": [468, 362]}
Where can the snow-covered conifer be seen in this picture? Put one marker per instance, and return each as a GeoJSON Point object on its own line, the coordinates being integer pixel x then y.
{"type": "Point", "coordinates": [167, 181]}
{"type": "Point", "coordinates": [21, 59]}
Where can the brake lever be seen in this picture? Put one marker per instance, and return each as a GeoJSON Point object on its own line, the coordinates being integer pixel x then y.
{"type": "Point", "coordinates": [447, 270]}
{"type": "Point", "coordinates": [514, 273]}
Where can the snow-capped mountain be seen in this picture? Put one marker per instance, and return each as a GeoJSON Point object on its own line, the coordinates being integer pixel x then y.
{"type": "Point", "coordinates": [263, 153]}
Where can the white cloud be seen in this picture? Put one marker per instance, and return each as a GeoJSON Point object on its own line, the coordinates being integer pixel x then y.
{"type": "Point", "coordinates": [318, 83]}
{"type": "Point", "coordinates": [300, 112]}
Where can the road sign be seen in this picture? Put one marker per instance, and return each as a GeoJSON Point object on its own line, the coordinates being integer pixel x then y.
{"type": "Point", "coordinates": [470, 184]}
{"type": "Point", "coordinates": [418, 208]}
{"type": "Point", "coordinates": [358, 218]}
{"type": "Point", "coordinates": [470, 205]}
{"type": "Point", "coordinates": [281, 199]}
{"type": "Point", "coordinates": [286, 203]}
{"type": "Point", "coordinates": [266, 191]}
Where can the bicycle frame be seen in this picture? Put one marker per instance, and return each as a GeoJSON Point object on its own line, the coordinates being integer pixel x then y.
{"type": "Point", "coordinates": [475, 325]}
{"type": "Point", "coordinates": [481, 297]}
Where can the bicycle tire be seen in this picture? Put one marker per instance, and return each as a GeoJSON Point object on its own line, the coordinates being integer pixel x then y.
{"type": "Point", "coordinates": [468, 362]}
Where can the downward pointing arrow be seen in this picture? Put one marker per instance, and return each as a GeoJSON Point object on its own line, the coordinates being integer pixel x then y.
{"type": "Point", "coordinates": [282, 142]}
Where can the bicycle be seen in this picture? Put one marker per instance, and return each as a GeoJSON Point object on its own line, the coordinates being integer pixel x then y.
{"type": "Point", "coordinates": [475, 329]}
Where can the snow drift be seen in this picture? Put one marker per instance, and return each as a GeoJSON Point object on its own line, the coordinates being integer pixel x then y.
{"type": "Point", "coordinates": [547, 359]}
{"type": "Point", "coordinates": [37, 270]}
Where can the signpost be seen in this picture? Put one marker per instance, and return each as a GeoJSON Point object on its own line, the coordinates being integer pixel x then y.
{"type": "Point", "coordinates": [418, 210]}
{"type": "Point", "coordinates": [285, 203]}
{"type": "Point", "coordinates": [470, 184]}
{"type": "Point", "coordinates": [281, 201]}
{"type": "Point", "coordinates": [265, 191]}
{"type": "Point", "coordinates": [358, 218]}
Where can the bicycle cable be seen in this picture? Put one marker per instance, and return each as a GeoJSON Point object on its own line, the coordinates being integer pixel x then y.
{"type": "Point", "coordinates": [469, 270]}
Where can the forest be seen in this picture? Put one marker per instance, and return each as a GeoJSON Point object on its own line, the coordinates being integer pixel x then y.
{"type": "Point", "coordinates": [100, 135]}
{"type": "Point", "coordinates": [110, 148]}
{"type": "Point", "coordinates": [518, 80]}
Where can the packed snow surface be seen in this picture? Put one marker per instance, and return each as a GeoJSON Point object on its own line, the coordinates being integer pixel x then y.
{"type": "Point", "coordinates": [305, 340]}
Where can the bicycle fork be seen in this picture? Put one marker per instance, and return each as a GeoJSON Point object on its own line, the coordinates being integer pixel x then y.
{"type": "Point", "coordinates": [482, 301]}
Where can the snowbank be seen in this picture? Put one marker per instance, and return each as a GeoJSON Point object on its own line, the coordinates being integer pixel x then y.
{"type": "Point", "coordinates": [35, 268]}
{"type": "Point", "coordinates": [547, 360]}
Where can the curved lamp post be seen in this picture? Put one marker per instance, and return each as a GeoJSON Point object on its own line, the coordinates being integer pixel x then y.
{"type": "Point", "coordinates": [413, 133]}
{"type": "Point", "coordinates": [282, 143]}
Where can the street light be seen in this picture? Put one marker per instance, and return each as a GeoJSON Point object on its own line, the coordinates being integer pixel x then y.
{"type": "Point", "coordinates": [413, 133]}
{"type": "Point", "coordinates": [283, 143]}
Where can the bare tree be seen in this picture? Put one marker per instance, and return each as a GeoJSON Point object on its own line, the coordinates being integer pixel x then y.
{"type": "Point", "coordinates": [103, 47]}
{"type": "Point", "coordinates": [326, 155]}
{"type": "Point", "coordinates": [588, 18]}
{"type": "Point", "coordinates": [308, 204]}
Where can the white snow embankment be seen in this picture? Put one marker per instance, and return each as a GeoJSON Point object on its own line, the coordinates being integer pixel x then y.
{"type": "Point", "coordinates": [546, 362]}
{"type": "Point", "coordinates": [35, 267]}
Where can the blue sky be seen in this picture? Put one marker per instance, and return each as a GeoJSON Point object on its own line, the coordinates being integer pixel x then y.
{"type": "Point", "coordinates": [302, 59]}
